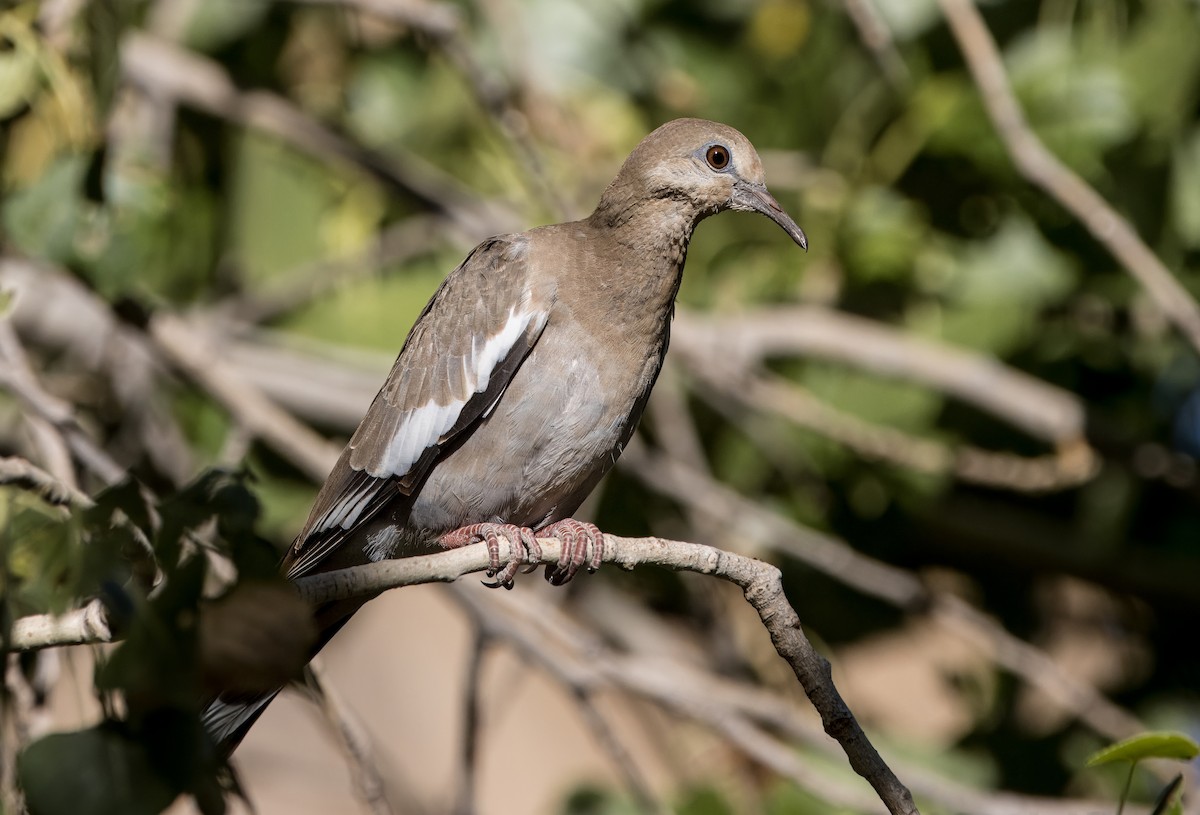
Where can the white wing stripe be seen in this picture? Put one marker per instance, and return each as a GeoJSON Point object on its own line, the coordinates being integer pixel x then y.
{"type": "Point", "coordinates": [421, 428]}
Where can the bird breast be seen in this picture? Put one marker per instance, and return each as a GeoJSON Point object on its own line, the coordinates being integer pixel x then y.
{"type": "Point", "coordinates": [557, 429]}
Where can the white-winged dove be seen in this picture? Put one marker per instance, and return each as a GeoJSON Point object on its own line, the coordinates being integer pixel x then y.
{"type": "Point", "coordinates": [524, 378]}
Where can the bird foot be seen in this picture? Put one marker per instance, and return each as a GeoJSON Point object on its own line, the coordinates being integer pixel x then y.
{"type": "Point", "coordinates": [525, 549]}
{"type": "Point", "coordinates": [582, 543]}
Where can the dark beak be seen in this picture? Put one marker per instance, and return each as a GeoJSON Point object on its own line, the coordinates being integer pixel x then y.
{"type": "Point", "coordinates": [754, 197]}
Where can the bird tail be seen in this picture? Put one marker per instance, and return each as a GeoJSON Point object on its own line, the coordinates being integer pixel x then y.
{"type": "Point", "coordinates": [228, 723]}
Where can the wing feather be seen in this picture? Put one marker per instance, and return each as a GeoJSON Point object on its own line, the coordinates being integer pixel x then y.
{"type": "Point", "coordinates": [458, 359]}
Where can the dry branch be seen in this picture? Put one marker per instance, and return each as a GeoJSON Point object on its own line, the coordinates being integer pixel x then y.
{"type": "Point", "coordinates": [19, 472]}
{"type": "Point", "coordinates": [764, 528]}
{"type": "Point", "coordinates": [189, 350]}
{"type": "Point", "coordinates": [1041, 167]}
{"type": "Point", "coordinates": [744, 341]}
{"type": "Point", "coordinates": [760, 582]}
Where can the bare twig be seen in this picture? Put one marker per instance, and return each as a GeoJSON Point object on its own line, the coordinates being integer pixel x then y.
{"type": "Point", "coordinates": [744, 341]}
{"type": "Point", "coordinates": [20, 472]}
{"type": "Point", "coordinates": [53, 310]}
{"type": "Point", "coordinates": [632, 774]}
{"type": "Point", "coordinates": [353, 740]}
{"type": "Point", "coordinates": [741, 712]}
{"type": "Point", "coordinates": [882, 581]}
{"type": "Point", "coordinates": [1070, 466]}
{"type": "Point", "coordinates": [82, 626]}
{"type": "Point", "coordinates": [874, 33]}
{"type": "Point", "coordinates": [430, 17]}
{"type": "Point", "coordinates": [468, 766]}
{"type": "Point", "coordinates": [19, 379]}
{"type": "Point", "coordinates": [1043, 168]}
{"type": "Point", "coordinates": [569, 672]}
{"type": "Point", "coordinates": [394, 245]}
{"type": "Point", "coordinates": [189, 350]}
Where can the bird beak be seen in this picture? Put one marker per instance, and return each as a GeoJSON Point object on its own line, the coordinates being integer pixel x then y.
{"type": "Point", "coordinates": [755, 198]}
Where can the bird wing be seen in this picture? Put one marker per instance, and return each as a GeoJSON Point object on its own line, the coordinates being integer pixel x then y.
{"type": "Point", "coordinates": [452, 370]}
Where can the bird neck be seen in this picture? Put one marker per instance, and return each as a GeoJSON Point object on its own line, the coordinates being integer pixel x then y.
{"type": "Point", "coordinates": [656, 231]}
{"type": "Point", "coordinates": [652, 238]}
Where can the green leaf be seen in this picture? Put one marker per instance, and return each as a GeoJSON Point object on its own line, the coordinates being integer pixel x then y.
{"type": "Point", "coordinates": [1156, 744]}
{"type": "Point", "coordinates": [882, 234]}
{"type": "Point", "coordinates": [19, 76]}
{"type": "Point", "coordinates": [45, 218]}
{"type": "Point", "coordinates": [1185, 190]}
{"type": "Point", "coordinates": [101, 771]}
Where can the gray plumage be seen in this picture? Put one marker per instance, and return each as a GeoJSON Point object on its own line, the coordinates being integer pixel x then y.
{"type": "Point", "coordinates": [527, 372]}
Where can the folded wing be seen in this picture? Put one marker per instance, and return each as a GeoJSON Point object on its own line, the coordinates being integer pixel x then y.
{"type": "Point", "coordinates": [453, 369]}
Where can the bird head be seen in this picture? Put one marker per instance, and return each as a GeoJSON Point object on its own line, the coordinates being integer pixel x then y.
{"type": "Point", "coordinates": [710, 166]}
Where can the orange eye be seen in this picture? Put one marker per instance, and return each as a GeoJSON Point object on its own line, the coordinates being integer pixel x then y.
{"type": "Point", "coordinates": [717, 157]}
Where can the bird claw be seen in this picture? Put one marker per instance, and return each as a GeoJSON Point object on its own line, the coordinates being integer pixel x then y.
{"type": "Point", "coordinates": [582, 544]}
{"type": "Point", "coordinates": [524, 550]}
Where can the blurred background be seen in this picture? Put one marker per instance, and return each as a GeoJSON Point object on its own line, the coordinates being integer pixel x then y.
{"type": "Point", "coordinates": [964, 423]}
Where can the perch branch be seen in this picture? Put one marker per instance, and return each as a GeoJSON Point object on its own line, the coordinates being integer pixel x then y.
{"type": "Point", "coordinates": [760, 582]}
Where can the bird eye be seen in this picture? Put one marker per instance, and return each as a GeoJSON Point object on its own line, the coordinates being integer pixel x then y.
{"type": "Point", "coordinates": [717, 157]}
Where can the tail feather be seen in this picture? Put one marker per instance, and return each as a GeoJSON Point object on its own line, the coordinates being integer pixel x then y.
{"type": "Point", "coordinates": [228, 723]}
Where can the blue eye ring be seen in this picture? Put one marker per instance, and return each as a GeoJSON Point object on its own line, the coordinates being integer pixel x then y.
{"type": "Point", "coordinates": [718, 157]}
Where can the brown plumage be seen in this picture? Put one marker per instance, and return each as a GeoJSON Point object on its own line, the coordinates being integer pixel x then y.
{"type": "Point", "coordinates": [524, 377]}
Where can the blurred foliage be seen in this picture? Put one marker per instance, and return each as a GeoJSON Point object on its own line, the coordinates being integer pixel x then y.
{"type": "Point", "coordinates": [916, 217]}
{"type": "Point", "coordinates": [150, 747]}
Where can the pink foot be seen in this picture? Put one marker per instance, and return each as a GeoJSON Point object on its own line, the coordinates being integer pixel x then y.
{"type": "Point", "coordinates": [521, 536]}
{"type": "Point", "coordinates": [578, 541]}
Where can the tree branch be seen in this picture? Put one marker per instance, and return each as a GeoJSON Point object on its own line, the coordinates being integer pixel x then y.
{"type": "Point", "coordinates": [188, 349]}
{"type": "Point", "coordinates": [19, 472]}
{"type": "Point", "coordinates": [744, 341]}
{"type": "Point", "coordinates": [760, 582]}
{"type": "Point", "coordinates": [1041, 167]}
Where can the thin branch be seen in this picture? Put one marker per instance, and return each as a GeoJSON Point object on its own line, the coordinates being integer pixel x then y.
{"type": "Point", "coordinates": [190, 351]}
{"type": "Point", "coordinates": [1042, 168]}
{"type": "Point", "coordinates": [893, 585]}
{"type": "Point", "coordinates": [468, 766]}
{"type": "Point", "coordinates": [632, 774]}
{"type": "Point", "coordinates": [760, 582]}
{"type": "Point", "coordinates": [352, 738]}
{"type": "Point", "coordinates": [81, 626]}
{"type": "Point", "coordinates": [296, 288]}
{"type": "Point", "coordinates": [21, 473]}
{"type": "Point", "coordinates": [1068, 467]}
{"type": "Point", "coordinates": [18, 378]}
{"type": "Point", "coordinates": [741, 712]}
{"type": "Point", "coordinates": [875, 35]}
{"type": "Point", "coordinates": [744, 341]}
{"type": "Point", "coordinates": [52, 309]}
{"type": "Point", "coordinates": [570, 672]}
